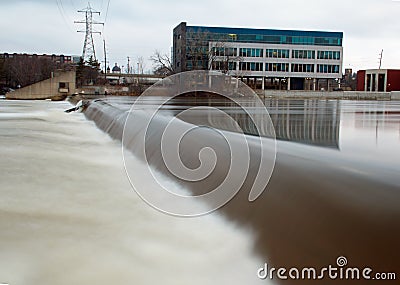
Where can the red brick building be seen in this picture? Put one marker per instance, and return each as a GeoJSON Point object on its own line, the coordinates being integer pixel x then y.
{"type": "Point", "coordinates": [63, 59]}
{"type": "Point", "coordinates": [378, 80]}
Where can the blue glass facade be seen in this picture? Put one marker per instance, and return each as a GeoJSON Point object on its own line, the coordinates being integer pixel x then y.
{"type": "Point", "coordinates": [268, 36]}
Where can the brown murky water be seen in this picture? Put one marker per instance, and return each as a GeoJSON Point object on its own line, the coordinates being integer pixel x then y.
{"type": "Point", "coordinates": [67, 209]}
{"type": "Point", "coordinates": [335, 190]}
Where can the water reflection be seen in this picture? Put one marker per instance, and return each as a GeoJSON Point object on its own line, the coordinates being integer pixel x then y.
{"type": "Point", "coordinates": [313, 122]}
{"type": "Point", "coordinates": [369, 128]}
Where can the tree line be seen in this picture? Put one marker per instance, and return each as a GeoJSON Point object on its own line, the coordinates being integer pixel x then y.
{"type": "Point", "coordinates": [24, 70]}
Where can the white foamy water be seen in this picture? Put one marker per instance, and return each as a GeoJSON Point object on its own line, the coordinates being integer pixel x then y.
{"type": "Point", "coordinates": [69, 216]}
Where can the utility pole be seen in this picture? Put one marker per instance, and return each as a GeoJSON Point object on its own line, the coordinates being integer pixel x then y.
{"type": "Point", "coordinates": [105, 61]}
{"type": "Point", "coordinates": [129, 70]}
{"type": "Point", "coordinates": [88, 45]}
{"type": "Point", "coordinates": [380, 59]}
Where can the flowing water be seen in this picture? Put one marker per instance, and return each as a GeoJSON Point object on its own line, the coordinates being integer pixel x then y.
{"type": "Point", "coordinates": [69, 214]}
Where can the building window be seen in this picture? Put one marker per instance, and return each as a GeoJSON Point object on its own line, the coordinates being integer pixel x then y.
{"type": "Point", "coordinates": [223, 65]}
{"type": "Point", "coordinates": [327, 68]}
{"type": "Point", "coordinates": [277, 67]}
{"type": "Point", "coordinates": [233, 37]}
{"type": "Point", "coordinates": [274, 39]}
{"type": "Point", "coordinates": [251, 52]}
{"type": "Point", "coordinates": [63, 85]}
{"type": "Point", "coordinates": [251, 66]}
{"type": "Point", "coordinates": [223, 51]}
{"type": "Point", "coordinates": [277, 53]}
{"type": "Point", "coordinates": [329, 55]}
{"type": "Point", "coordinates": [306, 54]}
{"type": "Point", "coordinates": [303, 68]}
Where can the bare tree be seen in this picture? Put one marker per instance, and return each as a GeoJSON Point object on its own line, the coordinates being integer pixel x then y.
{"type": "Point", "coordinates": [141, 65]}
{"type": "Point", "coordinates": [25, 70]}
{"type": "Point", "coordinates": [204, 51]}
{"type": "Point", "coordinates": [224, 57]}
{"type": "Point", "coordinates": [197, 49]}
{"type": "Point", "coordinates": [162, 64]}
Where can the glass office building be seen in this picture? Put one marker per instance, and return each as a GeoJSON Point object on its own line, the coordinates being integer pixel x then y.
{"type": "Point", "coordinates": [265, 58]}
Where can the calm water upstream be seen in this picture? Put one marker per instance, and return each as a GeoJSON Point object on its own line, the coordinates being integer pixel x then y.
{"type": "Point", "coordinates": [69, 215]}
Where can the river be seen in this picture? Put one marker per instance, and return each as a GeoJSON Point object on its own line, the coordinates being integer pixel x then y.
{"type": "Point", "coordinates": [69, 214]}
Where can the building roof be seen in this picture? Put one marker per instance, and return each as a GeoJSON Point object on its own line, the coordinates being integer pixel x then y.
{"type": "Point", "coordinates": [116, 68]}
{"type": "Point", "coordinates": [378, 70]}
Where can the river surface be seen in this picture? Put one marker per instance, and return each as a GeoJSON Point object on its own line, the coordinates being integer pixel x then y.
{"type": "Point", "coordinates": [68, 214]}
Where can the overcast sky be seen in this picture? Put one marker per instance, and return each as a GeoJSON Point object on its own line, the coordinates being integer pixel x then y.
{"type": "Point", "coordinates": [136, 28]}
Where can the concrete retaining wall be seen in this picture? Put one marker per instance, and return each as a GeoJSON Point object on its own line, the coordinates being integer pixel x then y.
{"type": "Point", "coordinates": [395, 95]}
{"type": "Point", "coordinates": [47, 89]}
{"type": "Point", "coordinates": [349, 95]}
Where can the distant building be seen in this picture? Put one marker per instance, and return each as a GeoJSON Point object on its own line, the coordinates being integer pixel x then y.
{"type": "Point", "coordinates": [378, 80]}
{"type": "Point", "coordinates": [348, 72]}
{"type": "Point", "coordinates": [67, 59]}
{"type": "Point", "coordinates": [264, 58]}
{"type": "Point", "coordinates": [116, 69]}
{"type": "Point", "coordinates": [349, 80]}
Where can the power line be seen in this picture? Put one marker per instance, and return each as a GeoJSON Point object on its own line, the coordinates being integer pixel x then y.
{"type": "Point", "coordinates": [108, 7]}
{"type": "Point", "coordinates": [63, 14]}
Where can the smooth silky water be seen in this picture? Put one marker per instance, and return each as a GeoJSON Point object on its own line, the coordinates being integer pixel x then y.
{"type": "Point", "coordinates": [68, 214]}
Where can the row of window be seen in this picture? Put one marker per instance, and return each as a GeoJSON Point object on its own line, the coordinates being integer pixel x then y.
{"type": "Point", "coordinates": [327, 68]}
{"type": "Point", "coordinates": [251, 66]}
{"type": "Point", "coordinates": [59, 58]}
{"type": "Point", "coordinates": [275, 53]}
{"type": "Point", "coordinates": [196, 64]}
{"type": "Point", "coordinates": [223, 65]}
{"type": "Point", "coordinates": [268, 39]}
{"type": "Point", "coordinates": [251, 52]}
{"type": "Point", "coordinates": [308, 54]}
{"type": "Point", "coordinates": [223, 51]}
{"type": "Point", "coordinates": [277, 67]}
{"type": "Point", "coordinates": [328, 55]}
{"type": "Point", "coordinates": [308, 68]}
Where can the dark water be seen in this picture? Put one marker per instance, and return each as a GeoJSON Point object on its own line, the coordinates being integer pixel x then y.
{"type": "Point", "coordinates": [363, 129]}
{"type": "Point", "coordinates": [335, 189]}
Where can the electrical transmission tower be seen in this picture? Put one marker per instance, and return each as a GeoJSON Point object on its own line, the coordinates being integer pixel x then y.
{"type": "Point", "coordinates": [88, 46]}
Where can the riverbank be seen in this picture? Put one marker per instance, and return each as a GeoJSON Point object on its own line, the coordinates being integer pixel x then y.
{"type": "Point", "coordinates": [335, 95]}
